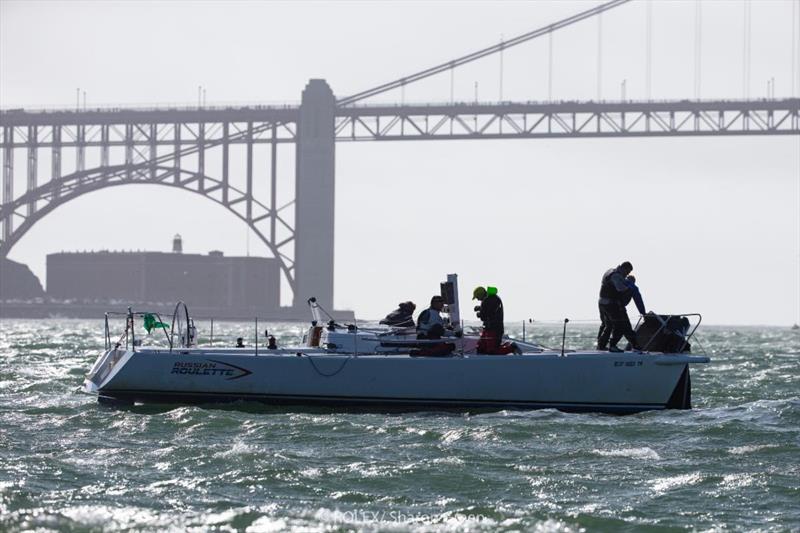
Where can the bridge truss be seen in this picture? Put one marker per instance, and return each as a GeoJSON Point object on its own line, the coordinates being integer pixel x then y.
{"type": "Point", "coordinates": [150, 146]}
{"type": "Point", "coordinates": [569, 119]}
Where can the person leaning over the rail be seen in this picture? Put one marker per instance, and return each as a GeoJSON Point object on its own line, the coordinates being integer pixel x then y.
{"type": "Point", "coordinates": [634, 294]}
{"type": "Point", "coordinates": [615, 293]}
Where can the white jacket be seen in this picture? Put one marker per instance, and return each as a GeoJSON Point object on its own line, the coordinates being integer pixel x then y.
{"type": "Point", "coordinates": [427, 319]}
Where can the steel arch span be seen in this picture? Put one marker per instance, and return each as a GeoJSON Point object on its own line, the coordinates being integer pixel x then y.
{"type": "Point", "coordinates": [25, 211]}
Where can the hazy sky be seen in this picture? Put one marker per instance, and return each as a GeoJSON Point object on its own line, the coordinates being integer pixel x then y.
{"type": "Point", "coordinates": [710, 224]}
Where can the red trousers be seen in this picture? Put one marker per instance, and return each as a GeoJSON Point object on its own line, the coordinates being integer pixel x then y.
{"type": "Point", "coordinates": [489, 344]}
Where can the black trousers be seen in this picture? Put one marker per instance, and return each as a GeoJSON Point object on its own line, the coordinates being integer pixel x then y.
{"type": "Point", "coordinates": [614, 324]}
{"type": "Point", "coordinates": [436, 332]}
{"type": "Point", "coordinates": [605, 328]}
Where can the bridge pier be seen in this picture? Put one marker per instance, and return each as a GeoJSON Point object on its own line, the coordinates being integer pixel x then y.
{"type": "Point", "coordinates": [8, 179]}
{"type": "Point", "coordinates": [314, 193]}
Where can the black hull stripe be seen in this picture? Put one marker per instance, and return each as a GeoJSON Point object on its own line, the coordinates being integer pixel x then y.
{"type": "Point", "coordinates": [160, 396]}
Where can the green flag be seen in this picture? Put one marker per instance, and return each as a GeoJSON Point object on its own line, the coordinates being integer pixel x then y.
{"type": "Point", "coordinates": [150, 322]}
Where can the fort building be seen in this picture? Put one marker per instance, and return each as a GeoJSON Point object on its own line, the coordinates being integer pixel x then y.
{"type": "Point", "coordinates": [231, 286]}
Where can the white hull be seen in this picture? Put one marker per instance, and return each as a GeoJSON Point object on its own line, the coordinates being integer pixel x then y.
{"type": "Point", "coordinates": [577, 381]}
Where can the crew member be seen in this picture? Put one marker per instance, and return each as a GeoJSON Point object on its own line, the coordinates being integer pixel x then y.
{"type": "Point", "coordinates": [615, 293]}
{"type": "Point", "coordinates": [491, 314]}
{"type": "Point", "coordinates": [401, 317]}
{"type": "Point", "coordinates": [635, 294]}
{"type": "Point", "coordinates": [430, 324]}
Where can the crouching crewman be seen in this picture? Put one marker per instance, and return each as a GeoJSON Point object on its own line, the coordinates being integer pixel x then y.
{"type": "Point", "coordinates": [491, 314]}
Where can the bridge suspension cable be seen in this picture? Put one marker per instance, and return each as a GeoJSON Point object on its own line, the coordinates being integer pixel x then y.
{"type": "Point", "coordinates": [795, 45]}
{"type": "Point", "coordinates": [648, 75]}
{"type": "Point", "coordinates": [599, 57]}
{"type": "Point", "coordinates": [746, 41]}
{"type": "Point", "coordinates": [698, 47]}
{"type": "Point", "coordinates": [402, 82]}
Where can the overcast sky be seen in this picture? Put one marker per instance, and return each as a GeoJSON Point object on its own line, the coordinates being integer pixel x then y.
{"type": "Point", "coordinates": [711, 225]}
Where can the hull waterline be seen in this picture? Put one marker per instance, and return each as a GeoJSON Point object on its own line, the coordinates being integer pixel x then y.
{"type": "Point", "coordinates": [577, 381]}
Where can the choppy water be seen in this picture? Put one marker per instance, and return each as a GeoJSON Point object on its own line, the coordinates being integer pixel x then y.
{"type": "Point", "coordinates": [69, 464]}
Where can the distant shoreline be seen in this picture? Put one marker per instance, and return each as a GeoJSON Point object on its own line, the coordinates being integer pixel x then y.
{"type": "Point", "coordinates": [42, 310]}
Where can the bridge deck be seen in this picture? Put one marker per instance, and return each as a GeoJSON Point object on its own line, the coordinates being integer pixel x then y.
{"type": "Point", "coordinates": [364, 122]}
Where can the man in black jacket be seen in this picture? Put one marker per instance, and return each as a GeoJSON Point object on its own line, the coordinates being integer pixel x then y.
{"type": "Point", "coordinates": [491, 314]}
{"type": "Point", "coordinates": [614, 321]}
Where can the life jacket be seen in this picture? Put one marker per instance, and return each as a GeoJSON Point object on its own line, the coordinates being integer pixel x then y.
{"type": "Point", "coordinates": [491, 313]}
{"type": "Point", "coordinates": [607, 289]}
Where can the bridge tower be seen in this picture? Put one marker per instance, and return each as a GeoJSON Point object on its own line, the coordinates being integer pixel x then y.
{"type": "Point", "coordinates": [314, 194]}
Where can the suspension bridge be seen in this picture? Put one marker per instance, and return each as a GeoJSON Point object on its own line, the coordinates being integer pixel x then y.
{"type": "Point", "coordinates": [171, 147]}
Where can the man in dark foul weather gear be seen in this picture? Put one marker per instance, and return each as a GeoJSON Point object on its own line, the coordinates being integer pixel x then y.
{"type": "Point", "coordinates": [615, 293]}
{"type": "Point", "coordinates": [401, 317]}
{"type": "Point", "coordinates": [430, 324]}
{"type": "Point", "coordinates": [491, 314]}
{"type": "Point", "coordinates": [634, 294]}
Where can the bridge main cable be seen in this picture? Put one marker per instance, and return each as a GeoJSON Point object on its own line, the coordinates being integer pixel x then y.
{"type": "Point", "coordinates": [480, 53]}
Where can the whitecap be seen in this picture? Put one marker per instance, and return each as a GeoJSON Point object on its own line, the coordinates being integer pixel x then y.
{"type": "Point", "coordinates": [484, 434]}
{"type": "Point", "coordinates": [238, 448]}
{"type": "Point", "coordinates": [551, 525]}
{"type": "Point", "coordinates": [741, 450]}
{"type": "Point", "coordinates": [590, 508]}
{"type": "Point", "coordinates": [267, 524]}
{"type": "Point", "coordinates": [311, 472]}
{"type": "Point", "coordinates": [664, 484]}
{"type": "Point", "coordinates": [737, 481]}
{"type": "Point", "coordinates": [451, 436]}
{"type": "Point", "coordinates": [108, 517]}
{"type": "Point", "coordinates": [631, 453]}
{"type": "Point", "coordinates": [362, 469]}
{"type": "Point", "coordinates": [449, 460]}
{"type": "Point", "coordinates": [223, 517]}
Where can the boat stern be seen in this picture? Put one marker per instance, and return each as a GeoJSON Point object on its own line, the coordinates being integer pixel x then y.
{"type": "Point", "coordinates": [681, 397]}
{"type": "Point", "coordinates": [104, 367]}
